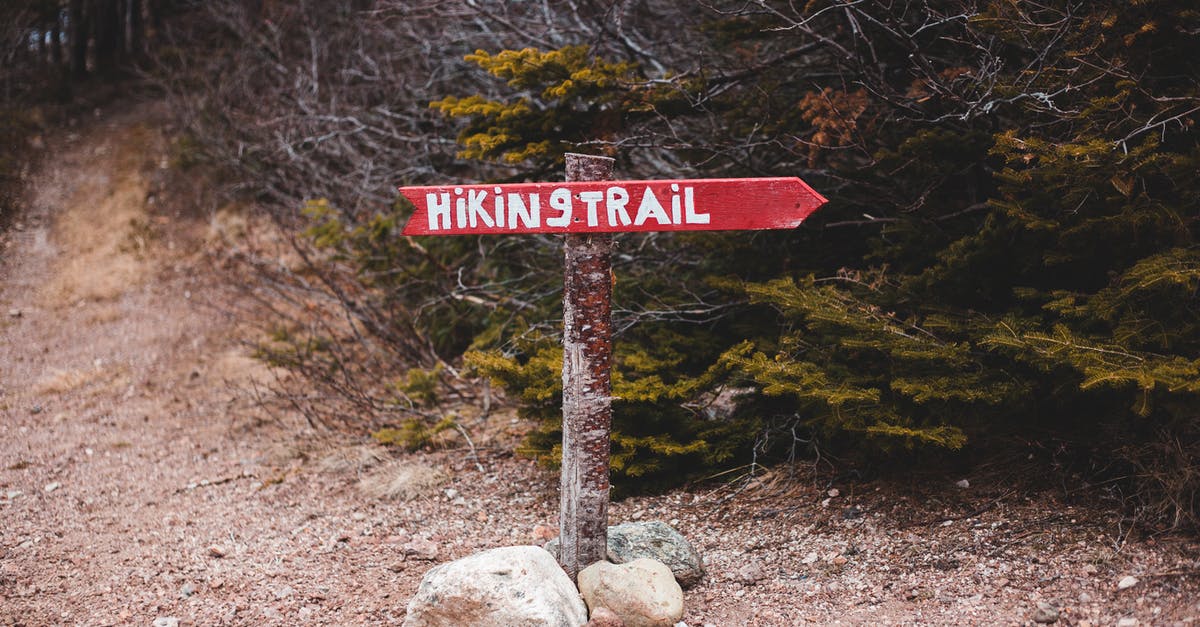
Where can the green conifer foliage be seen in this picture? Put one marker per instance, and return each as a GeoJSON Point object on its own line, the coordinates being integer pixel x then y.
{"type": "Point", "coordinates": [565, 96]}
{"type": "Point", "coordinates": [1012, 245]}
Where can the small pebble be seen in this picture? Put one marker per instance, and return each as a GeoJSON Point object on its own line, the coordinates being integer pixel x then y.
{"type": "Point", "coordinates": [1128, 621]}
{"type": "Point", "coordinates": [750, 574]}
{"type": "Point", "coordinates": [544, 533]}
{"type": "Point", "coordinates": [421, 549]}
{"type": "Point", "coordinates": [1045, 613]}
{"type": "Point", "coordinates": [963, 483]}
{"type": "Point", "coordinates": [50, 487]}
{"type": "Point", "coordinates": [216, 551]}
{"type": "Point", "coordinates": [14, 313]}
{"type": "Point", "coordinates": [187, 590]}
{"type": "Point", "coordinates": [834, 493]}
{"type": "Point", "coordinates": [1127, 582]}
{"type": "Point", "coordinates": [166, 621]}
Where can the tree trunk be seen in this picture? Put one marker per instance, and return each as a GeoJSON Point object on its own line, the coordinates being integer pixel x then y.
{"type": "Point", "coordinates": [154, 12]}
{"type": "Point", "coordinates": [78, 38]}
{"type": "Point", "coordinates": [56, 56]}
{"type": "Point", "coordinates": [137, 41]}
{"type": "Point", "coordinates": [120, 25]}
{"type": "Point", "coordinates": [106, 22]}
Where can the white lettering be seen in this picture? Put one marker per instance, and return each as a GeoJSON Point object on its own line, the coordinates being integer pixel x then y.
{"type": "Point", "coordinates": [591, 199]}
{"type": "Point", "coordinates": [615, 203]}
{"type": "Point", "coordinates": [531, 216]}
{"type": "Point", "coordinates": [560, 200]}
{"type": "Point", "coordinates": [689, 203]}
{"type": "Point", "coordinates": [499, 207]}
{"type": "Point", "coordinates": [438, 206]}
{"type": "Point", "coordinates": [475, 208]}
{"type": "Point", "coordinates": [460, 209]}
{"type": "Point", "coordinates": [675, 203]}
{"type": "Point", "coordinates": [650, 208]}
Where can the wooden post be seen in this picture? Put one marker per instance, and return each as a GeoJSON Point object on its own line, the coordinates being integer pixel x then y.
{"type": "Point", "coordinates": [587, 391]}
{"type": "Point", "coordinates": [588, 208]}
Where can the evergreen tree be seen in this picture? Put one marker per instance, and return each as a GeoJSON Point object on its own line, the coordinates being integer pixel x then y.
{"type": "Point", "coordinates": [1011, 246]}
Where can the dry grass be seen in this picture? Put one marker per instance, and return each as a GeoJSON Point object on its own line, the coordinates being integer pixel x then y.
{"type": "Point", "coordinates": [236, 366]}
{"type": "Point", "coordinates": [346, 459]}
{"type": "Point", "coordinates": [109, 376]}
{"type": "Point", "coordinates": [105, 226]}
{"type": "Point", "coordinates": [404, 480]}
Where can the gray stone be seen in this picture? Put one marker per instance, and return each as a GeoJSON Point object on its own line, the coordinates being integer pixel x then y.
{"type": "Point", "coordinates": [1127, 582]}
{"type": "Point", "coordinates": [750, 574]}
{"type": "Point", "coordinates": [643, 593]}
{"type": "Point", "coordinates": [653, 539]}
{"type": "Point", "coordinates": [1045, 613]}
{"type": "Point", "coordinates": [421, 549]}
{"type": "Point", "coordinates": [516, 585]}
{"type": "Point", "coordinates": [166, 621]}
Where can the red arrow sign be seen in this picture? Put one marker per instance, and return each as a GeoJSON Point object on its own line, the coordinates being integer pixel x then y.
{"type": "Point", "coordinates": [611, 206]}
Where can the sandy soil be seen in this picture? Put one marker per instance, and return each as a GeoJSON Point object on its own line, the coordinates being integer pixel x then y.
{"type": "Point", "coordinates": [137, 483]}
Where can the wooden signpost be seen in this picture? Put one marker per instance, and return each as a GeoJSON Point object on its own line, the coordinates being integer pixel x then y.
{"type": "Point", "coordinates": [587, 208]}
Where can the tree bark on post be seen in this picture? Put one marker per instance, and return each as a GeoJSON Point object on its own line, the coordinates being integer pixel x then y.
{"type": "Point", "coordinates": [587, 391]}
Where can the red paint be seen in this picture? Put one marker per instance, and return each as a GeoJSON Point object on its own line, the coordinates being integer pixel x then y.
{"type": "Point", "coordinates": [612, 206]}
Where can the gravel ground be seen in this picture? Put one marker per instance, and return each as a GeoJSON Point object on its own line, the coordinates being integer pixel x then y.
{"type": "Point", "coordinates": [136, 484]}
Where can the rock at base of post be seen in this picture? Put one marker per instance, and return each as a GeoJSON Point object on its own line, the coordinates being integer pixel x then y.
{"type": "Point", "coordinates": [643, 593]}
{"type": "Point", "coordinates": [656, 540]}
{"type": "Point", "coordinates": [516, 585]}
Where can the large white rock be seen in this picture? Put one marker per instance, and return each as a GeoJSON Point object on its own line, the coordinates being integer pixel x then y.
{"type": "Point", "coordinates": [516, 585]}
{"type": "Point", "coordinates": [643, 592]}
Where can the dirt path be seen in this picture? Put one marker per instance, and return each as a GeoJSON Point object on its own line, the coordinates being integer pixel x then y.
{"type": "Point", "coordinates": [135, 486]}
